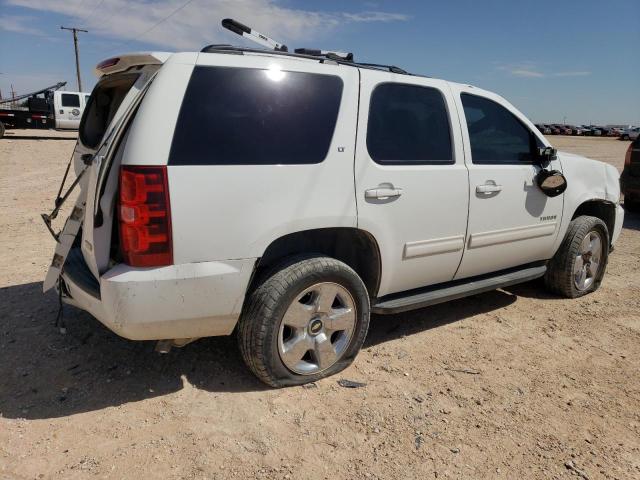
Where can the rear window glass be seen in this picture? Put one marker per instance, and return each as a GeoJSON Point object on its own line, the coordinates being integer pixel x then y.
{"type": "Point", "coordinates": [70, 100]}
{"type": "Point", "coordinates": [102, 105]}
{"type": "Point", "coordinates": [408, 124]}
{"type": "Point", "coordinates": [240, 116]}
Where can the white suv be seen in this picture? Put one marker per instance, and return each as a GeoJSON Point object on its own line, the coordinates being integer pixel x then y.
{"type": "Point", "coordinates": [286, 197]}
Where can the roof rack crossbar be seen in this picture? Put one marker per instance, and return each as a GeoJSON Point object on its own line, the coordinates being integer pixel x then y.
{"type": "Point", "coordinates": [254, 35]}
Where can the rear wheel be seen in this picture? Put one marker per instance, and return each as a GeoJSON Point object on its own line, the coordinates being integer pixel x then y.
{"type": "Point", "coordinates": [1, 129]}
{"type": "Point", "coordinates": [304, 321]}
{"type": "Point", "coordinates": [579, 264]}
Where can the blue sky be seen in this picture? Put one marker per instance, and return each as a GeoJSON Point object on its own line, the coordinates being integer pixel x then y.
{"type": "Point", "coordinates": [573, 59]}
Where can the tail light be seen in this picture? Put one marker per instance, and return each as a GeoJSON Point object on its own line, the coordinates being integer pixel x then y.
{"type": "Point", "coordinates": [145, 218]}
{"type": "Point", "coordinates": [627, 157]}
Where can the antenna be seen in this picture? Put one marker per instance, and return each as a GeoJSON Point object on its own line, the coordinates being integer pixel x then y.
{"type": "Point", "coordinates": [244, 31]}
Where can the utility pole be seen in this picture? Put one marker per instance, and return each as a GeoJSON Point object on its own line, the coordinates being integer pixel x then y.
{"type": "Point", "coordinates": [75, 46]}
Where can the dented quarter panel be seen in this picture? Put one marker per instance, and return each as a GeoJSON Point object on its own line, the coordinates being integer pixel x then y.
{"type": "Point", "coordinates": [587, 180]}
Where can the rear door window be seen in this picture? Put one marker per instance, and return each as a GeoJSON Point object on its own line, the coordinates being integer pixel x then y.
{"type": "Point", "coordinates": [408, 124]}
{"type": "Point", "coordinates": [70, 100]}
{"type": "Point", "coordinates": [242, 116]}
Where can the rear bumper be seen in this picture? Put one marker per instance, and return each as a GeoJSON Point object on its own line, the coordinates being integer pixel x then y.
{"type": "Point", "coordinates": [179, 301]}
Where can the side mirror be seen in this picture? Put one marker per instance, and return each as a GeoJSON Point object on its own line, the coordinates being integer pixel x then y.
{"type": "Point", "coordinates": [551, 182]}
{"type": "Point", "coordinates": [546, 154]}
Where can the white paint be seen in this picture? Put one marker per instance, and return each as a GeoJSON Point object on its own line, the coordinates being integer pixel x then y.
{"type": "Point", "coordinates": [439, 226]}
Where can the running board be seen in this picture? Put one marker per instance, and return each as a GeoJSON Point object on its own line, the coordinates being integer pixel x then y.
{"type": "Point", "coordinates": [414, 299]}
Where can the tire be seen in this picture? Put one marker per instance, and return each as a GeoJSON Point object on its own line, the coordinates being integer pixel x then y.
{"type": "Point", "coordinates": [282, 313]}
{"type": "Point", "coordinates": [563, 271]}
{"type": "Point", "coordinates": [2, 130]}
{"type": "Point", "coordinates": [625, 137]}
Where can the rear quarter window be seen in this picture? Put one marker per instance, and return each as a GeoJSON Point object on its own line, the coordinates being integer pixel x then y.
{"type": "Point", "coordinates": [241, 116]}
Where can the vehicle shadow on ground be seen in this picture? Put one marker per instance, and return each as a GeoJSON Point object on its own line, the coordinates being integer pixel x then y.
{"type": "Point", "coordinates": [44, 374]}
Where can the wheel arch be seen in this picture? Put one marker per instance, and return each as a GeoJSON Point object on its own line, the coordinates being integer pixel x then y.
{"type": "Point", "coordinates": [355, 247]}
{"type": "Point", "coordinates": [599, 208]}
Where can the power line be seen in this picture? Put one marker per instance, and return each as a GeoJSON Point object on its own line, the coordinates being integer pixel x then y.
{"type": "Point", "coordinates": [164, 19]}
{"type": "Point", "coordinates": [92, 11]}
{"type": "Point", "coordinates": [140, 35]}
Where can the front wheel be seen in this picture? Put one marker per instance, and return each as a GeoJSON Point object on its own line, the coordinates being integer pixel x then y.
{"type": "Point", "coordinates": [579, 264]}
{"type": "Point", "coordinates": [305, 321]}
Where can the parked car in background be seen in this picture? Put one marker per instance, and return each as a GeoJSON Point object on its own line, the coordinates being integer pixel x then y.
{"type": "Point", "coordinates": [630, 133]}
{"type": "Point", "coordinates": [574, 130]}
{"type": "Point", "coordinates": [630, 178]}
{"type": "Point", "coordinates": [556, 129]}
{"type": "Point", "coordinates": [544, 129]}
{"type": "Point", "coordinates": [608, 132]}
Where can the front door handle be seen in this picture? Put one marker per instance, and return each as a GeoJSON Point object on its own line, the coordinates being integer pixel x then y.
{"type": "Point", "coordinates": [488, 188]}
{"type": "Point", "coordinates": [382, 193]}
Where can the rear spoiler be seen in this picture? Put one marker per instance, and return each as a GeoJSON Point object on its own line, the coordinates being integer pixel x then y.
{"type": "Point", "coordinates": [128, 60]}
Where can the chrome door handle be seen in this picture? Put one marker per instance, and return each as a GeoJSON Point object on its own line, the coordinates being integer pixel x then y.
{"type": "Point", "coordinates": [488, 188]}
{"type": "Point", "coordinates": [382, 193]}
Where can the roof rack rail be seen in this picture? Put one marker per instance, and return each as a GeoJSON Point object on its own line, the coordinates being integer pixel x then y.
{"type": "Point", "coordinates": [232, 49]}
{"type": "Point", "coordinates": [281, 49]}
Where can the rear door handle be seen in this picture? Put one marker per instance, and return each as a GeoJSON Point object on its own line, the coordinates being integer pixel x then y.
{"type": "Point", "coordinates": [382, 193]}
{"type": "Point", "coordinates": [488, 188]}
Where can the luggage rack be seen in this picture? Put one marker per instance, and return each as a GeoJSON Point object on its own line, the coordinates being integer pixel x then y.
{"type": "Point", "coordinates": [323, 56]}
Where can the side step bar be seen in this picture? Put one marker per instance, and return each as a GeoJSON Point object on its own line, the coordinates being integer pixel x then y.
{"type": "Point", "coordinates": [414, 299]}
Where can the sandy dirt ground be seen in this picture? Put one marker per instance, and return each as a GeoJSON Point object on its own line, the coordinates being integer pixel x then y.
{"type": "Point", "coordinates": [514, 383]}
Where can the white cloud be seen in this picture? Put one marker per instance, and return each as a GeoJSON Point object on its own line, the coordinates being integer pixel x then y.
{"type": "Point", "coordinates": [198, 23]}
{"type": "Point", "coordinates": [18, 24]}
{"type": "Point", "coordinates": [522, 72]}
{"type": "Point", "coordinates": [376, 17]}
{"type": "Point", "coordinates": [531, 70]}
{"type": "Point", "coordinates": [572, 74]}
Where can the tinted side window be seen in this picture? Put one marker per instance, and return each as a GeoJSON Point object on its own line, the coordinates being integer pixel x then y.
{"type": "Point", "coordinates": [240, 116]}
{"type": "Point", "coordinates": [70, 100]}
{"type": "Point", "coordinates": [496, 135]}
{"type": "Point", "coordinates": [407, 125]}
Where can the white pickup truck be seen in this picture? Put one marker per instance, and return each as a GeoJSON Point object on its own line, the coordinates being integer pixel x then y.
{"type": "Point", "coordinates": [285, 197]}
{"type": "Point", "coordinates": [46, 109]}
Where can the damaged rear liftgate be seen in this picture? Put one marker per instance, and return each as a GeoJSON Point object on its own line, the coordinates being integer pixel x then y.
{"type": "Point", "coordinates": [95, 165]}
